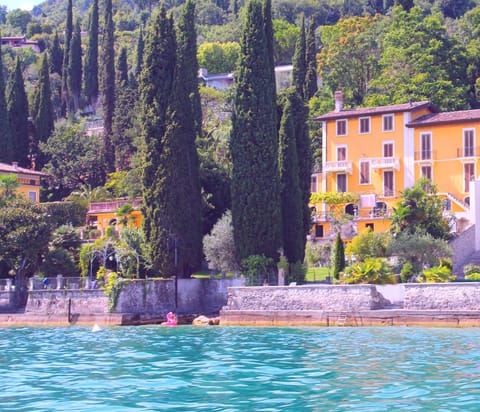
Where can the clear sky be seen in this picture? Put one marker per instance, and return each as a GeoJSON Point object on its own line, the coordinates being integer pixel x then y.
{"type": "Point", "coordinates": [20, 4]}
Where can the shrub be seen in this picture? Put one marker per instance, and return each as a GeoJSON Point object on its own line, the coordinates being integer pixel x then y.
{"type": "Point", "coordinates": [470, 268]}
{"type": "Point", "coordinates": [436, 274]}
{"type": "Point", "coordinates": [473, 276]}
{"type": "Point", "coordinates": [372, 270]}
{"type": "Point", "coordinates": [407, 272]}
{"type": "Point", "coordinates": [256, 268]}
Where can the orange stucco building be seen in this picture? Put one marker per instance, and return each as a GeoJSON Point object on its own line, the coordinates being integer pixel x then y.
{"type": "Point", "coordinates": [376, 153]}
{"type": "Point", "coordinates": [28, 179]}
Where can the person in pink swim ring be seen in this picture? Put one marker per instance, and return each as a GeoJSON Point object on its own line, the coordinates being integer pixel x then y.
{"type": "Point", "coordinates": [171, 320]}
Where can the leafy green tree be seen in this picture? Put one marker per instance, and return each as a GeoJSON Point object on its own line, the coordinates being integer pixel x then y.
{"type": "Point", "coordinates": [73, 159]}
{"type": "Point", "coordinates": [338, 257]}
{"type": "Point", "coordinates": [349, 57]}
{"type": "Point", "coordinates": [420, 211]}
{"type": "Point", "coordinates": [42, 113]}
{"type": "Point", "coordinates": [219, 247]}
{"type": "Point", "coordinates": [413, 66]}
{"type": "Point", "coordinates": [56, 56]}
{"type": "Point", "coordinates": [156, 86]}
{"type": "Point", "coordinates": [17, 106]}
{"type": "Point", "coordinates": [285, 36]}
{"type": "Point", "coordinates": [256, 187]}
{"type": "Point", "coordinates": [7, 154]}
{"type": "Point", "coordinates": [218, 57]}
{"type": "Point", "coordinates": [421, 250]}
{"type": "Point", "coordinates": [291, 196]}
{"type": "Point", "coordinates": [91, 58]}
{"type": "Point", "coordinates": [368, 244]}
{"type": "Point", "coordinates": [25, 233]}
{"type": "Point", "coordinates": [8, 186]}
{"type": "Point", "coordinates": [108, 87]}
{"type": "Point", "coordinates": [19, 19]}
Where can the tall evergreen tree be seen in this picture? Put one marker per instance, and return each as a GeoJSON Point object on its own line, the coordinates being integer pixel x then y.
{"type": "Point", "coordinates": [122, 68]}
{"type": "Point", "coordinates": [42, 113]}
{"type": "Point", "coordinates": [256, 210]}
{"type": "Point", "coordinates": [156, 86]}
{"type": "Point", "coordinates": [292, 207]}
{"type": "Point", "coordinates": [187, 53]}
{"type": "Point", "coordinates": [140, 48]}
{"type": "Point", "coordinates": [311, 85]}
{"type": "Point", "coordinates": [75, 68]}
{"type": "Point", "coordinates": [108, 87]}
{"type": "Point", "coordinates": [180, 183]}
{"type": "Point", "coordinates": [338, 257]}
{"type": "Point", "coordinates": [56, 56]}
{"type": "Point", "coordinates": [66, 56]}
{"type": "Point", "coordinates": [6, 135]}
{"type": "Point", "coordinates": [91, 58]}
{"type": "Point", "coordinates": [17, 106]}
{"type": "Point", "coordinates": [299, 62]}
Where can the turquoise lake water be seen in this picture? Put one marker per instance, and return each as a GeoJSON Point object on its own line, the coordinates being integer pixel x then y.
{"type": "Point", "coordinates": [239, 369]}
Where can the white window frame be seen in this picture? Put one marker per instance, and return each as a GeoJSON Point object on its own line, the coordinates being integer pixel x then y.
{"type": "Point", "coordinates": [346, 182]}
{"type": "Point", "coordinates": [346, 127]}
{"type": "Point", "coordinates": [313, 183]}
{"type": "Point", "coordinates": [369, 172]}
{"type": "Point", "coordinates": [431, 172]}
{"type": "Point", "coordinates": [391, 116]}
{"type": "Point", "coordinates": [464, 131]}
{"type": "Point", "coordinates": [429, 134]}
{"type": "Point", "coordinates": [385, 143]}
{"type": "Point", "coordinates": [341, 146]}
{"type": "Point", "coordinates": [360, 124]}
{"type": "Point", "coordinates": [465, 182]}
{"type": "Point", "coordinates": [393, 183]}
{"type": "Point", "coordinates": [32, 195]}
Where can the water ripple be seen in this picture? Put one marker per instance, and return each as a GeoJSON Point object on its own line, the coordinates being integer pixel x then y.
{"type": "Point", "coordinates": [239, 369]}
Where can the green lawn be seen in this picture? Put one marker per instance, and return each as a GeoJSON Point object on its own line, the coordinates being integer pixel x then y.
{"type": "Point", "coordinates": [316, 274]}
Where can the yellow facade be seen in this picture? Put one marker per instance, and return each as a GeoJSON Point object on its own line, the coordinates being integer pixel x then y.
{"type": "Point", "coordinates": [377, 153]}
{"type": "Point", "coordinates": [29, 180]}
{"type": "Point", "coordinates": [102, 215]}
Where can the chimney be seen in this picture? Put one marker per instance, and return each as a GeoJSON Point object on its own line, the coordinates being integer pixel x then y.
{"type": "Point", "coordinates": [338, 101]}
{"type": "Point", "coordinates": [15, 165]}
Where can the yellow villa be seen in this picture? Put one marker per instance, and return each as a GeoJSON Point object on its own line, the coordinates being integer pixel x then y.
{"type": "Point", "coordinates": [28, 179]}
{"type": "Point", "coordinates": [376, 153]}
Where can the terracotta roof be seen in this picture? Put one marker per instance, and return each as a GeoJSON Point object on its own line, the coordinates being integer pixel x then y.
{"type": "Point", "coordinates": [446, 117]}
{"type": "Point", "coordinates": [5, 167]}
{"type": "Point", "coordinates": [365, 111]}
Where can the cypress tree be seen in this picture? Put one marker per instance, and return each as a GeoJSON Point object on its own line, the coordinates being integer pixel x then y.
{"type": "Point", "coordinates": [256, 213]}
{"type": "Point", "coordinates": [91, 58]}
{"type": "Point", "coordinates": [187, 53]}
{"type": "Point", "coordinates": [56, 56]}
{"type": "Point", "coordinates": [339, 257]}
{"type": "Point", "coordinates": [140, 48]}
{"type": "Point", "coordinates": [122, 68]}
{"type": "Point", "coordinates": [42, 113]}
{"type": "Point", "coordinates": [156, 86]}
{"type": "Point", "coordinates": [108, 87]}
{"type": "Point", "coordinates": [311, 86]}
{"type": "Point", "coordinates": [300, 118]}
{"type": "Point", "coordinates": [292, 207]}
{"type": "Point", "coordinates": [299, 62]}
{"type": "Point", "coordinates": [17, 106]}
{"type": "Point", "coordinates": [75, 68]}
{"type": "Point", "coordinates": [66, 56]}
{"type": "Point", "coordinates": [6, 135]}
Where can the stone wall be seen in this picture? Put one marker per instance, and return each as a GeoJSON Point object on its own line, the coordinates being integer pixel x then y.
{"type": "Point", "coordinates": [57, 302]}
{"type": "Point", "coordinates": [463, 245]}
{"type": "Point", "coordinates": [442, 296]}
{"type": "Point", "coordinates": [7, 300]}
{"type": "Point", "coordinates": [302, 298]}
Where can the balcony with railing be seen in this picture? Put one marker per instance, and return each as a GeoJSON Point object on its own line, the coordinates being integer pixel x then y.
{"type": "Point", "coordinates": [468, 152]}
{"type": "Point", "coordinates": [112, 206]}
{"type": "Point", "coordinates": [340, 166]}
{"type": "Point", "coordinates": [425, 155]}
{"type": "Point", "coordinates": [385, 163]}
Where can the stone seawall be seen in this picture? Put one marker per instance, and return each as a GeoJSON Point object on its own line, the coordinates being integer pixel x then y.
{"type": "Point", "coordinates": [442, 296]}
{"type": "Point", "coordinates": [300, 298]}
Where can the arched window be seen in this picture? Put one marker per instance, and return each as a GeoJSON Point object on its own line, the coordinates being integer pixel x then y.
{"type": "Point", "coordinates": [351, 209]}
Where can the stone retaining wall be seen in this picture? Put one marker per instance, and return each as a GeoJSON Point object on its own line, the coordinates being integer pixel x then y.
{"type": "Point", "coordinates": [442, 296]}
{"type": "Point", "coordinates": [301, 298]}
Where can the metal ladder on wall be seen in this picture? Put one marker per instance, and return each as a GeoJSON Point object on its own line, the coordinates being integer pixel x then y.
{"type": "Point", "coordinates": [343, 316]}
